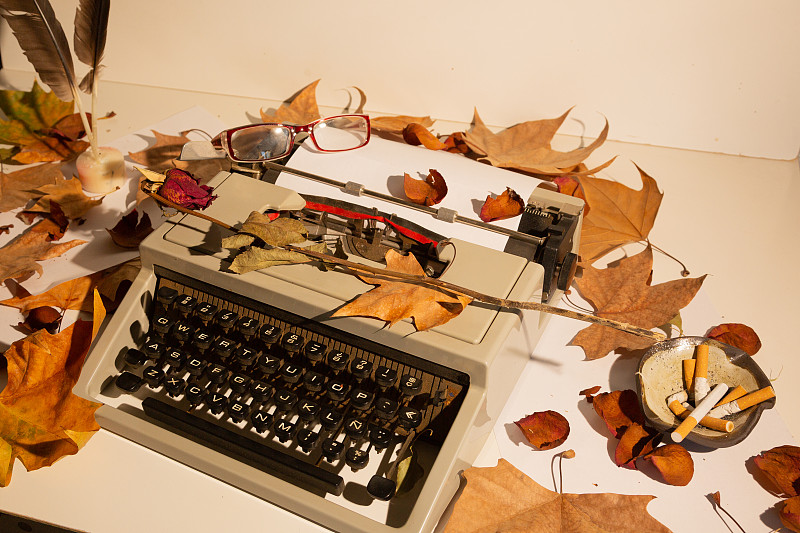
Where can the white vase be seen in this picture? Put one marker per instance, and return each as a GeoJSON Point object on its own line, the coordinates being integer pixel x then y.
{"type": "Point", "coordinates": [104, 174]}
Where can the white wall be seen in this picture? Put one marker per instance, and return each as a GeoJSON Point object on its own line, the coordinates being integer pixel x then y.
{"type": "Point", "coordinates": [715, 75]}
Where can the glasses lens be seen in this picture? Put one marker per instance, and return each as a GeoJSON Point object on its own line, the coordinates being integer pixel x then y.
{"type": "Point", "coordinates": [260, 143]}
{"type": "Point", "coordinates": [341, 133]}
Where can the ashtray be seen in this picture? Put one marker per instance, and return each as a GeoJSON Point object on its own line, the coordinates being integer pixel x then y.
{"type": "Point", "coordinates": [660, 375]}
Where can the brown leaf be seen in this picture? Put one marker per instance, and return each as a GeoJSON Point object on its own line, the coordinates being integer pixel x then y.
{"type": "Point", "coordinates": [130, 231]}
{"type": "Point", "coordinates": [739, 335]}
{"type": "Point", "coordinates": [394, 300]}
{"type": "Point", "coordinates": [160, 156]}
{"type": "Point", "coordinates": [526, 146]}
{"type": "Point", "coordinates": [273, 231]}
{"type": "Point", "coordinates": [507, 205]}
{"type": "Point", "coordinates": [675, 465]}
{"type": "Point", "coordinates": [301, 108]}
{"type": "Point", "coordinates": [416, 134]}
{"type": "Point", "coordinates": [544, 429]}
{"type": "Point", "coordinates": [623, 293]}
{"type": "Point", "coordinates": [790, 514]}
{"type": "Point", "coordinates": [394, 125]}
{"type": "Point", "coordinates": [429, 191]}
{"type": "Point", "coordinates": [502, 498]}
{"type": "Point", "coordinates": [781, 465]}
{"type": "Point", "coordinates": [20, 187]}
{"type": "Point", "coordinates": [635, 442]}
{"type": "Point", "coordinates": [68, 194]}
{"type": "Point", "coordinates": [618, 214]}
{"type": "Point", "coordinates": [18, 258]}
{"type": "Point", "coordinates": [256, 258]}
{"type": "Point", "coordinates": [619, 409]}
{"type": "Point", "coordinates": [42, 318]}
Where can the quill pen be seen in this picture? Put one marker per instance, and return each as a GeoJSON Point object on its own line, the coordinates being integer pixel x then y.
{"type": "Point", "coordinates": [91, 27]}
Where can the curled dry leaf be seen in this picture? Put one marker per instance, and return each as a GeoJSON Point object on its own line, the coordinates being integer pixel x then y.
{"type": "Point", "coordinates": [392, 300]}
{"type": "Point", "coordinates": [507, 205]}
{"type": "Point", "coordinates": [301, 108]}
{"type": "Point", "coordinates": [675, 465]}
{"type": "Point", "coordinates": [789, 513]}
{"type": "Point", "coordinates": [394, 125]}
{"type": "Point", "coordinates": [635, 442]}
{"type": "Point", "coordinates": [417, 134]}
{"type": "Point", "coordinates": [781, 465]}
{"type": "Point", "coordinates": [739, 335]}
{"type": "Point", "coordinates": [42, 318]}
{"type": "Point", "coordinates": [429, 191]}
{"type": "Point", "coordinates": [256, 258]}
{"type": "Point", "coordinates": [18, 258]}
{"type": "Point", "coordinates": [619, 409]}
{"type": "Point", "coordinates": [130, 231]}
{"type": "Point", "coordinates": [273, 231]}
{"type": "Point", "coordinates": [544, 429]}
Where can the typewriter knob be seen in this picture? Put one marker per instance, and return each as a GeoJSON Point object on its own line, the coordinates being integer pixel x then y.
{"type": "Point", "coordinates": [567, 271]}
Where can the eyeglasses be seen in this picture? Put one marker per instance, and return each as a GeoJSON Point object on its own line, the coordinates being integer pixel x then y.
{"type": "Point", "coordinates": [265, 142]}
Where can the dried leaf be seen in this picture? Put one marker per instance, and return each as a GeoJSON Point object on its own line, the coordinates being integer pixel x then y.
{"type": "Point", "coordinates": [507, 205]}
{"type": "Point", "coordinates": [618, 214]}
{"type": "Point", "coordinates": [635, 442]}
{"type": "Point", "coordinates": [502, 498]}
{"type": "Point", "coordinates": [18, 258]}
{"type": "Point", "coordinates": [42, 318]}
{"type": "Point", "coordinates": [429, 191]}
{"type": "Point", "coordinates": [675, 465]}
{"type": "Point", "coordinates": [160, 156]}
{"type": "Point", "coordinates": [130, 231]}
{"type": "Point", "coordinates": [394, 300]}
{"type": "Point", "coordinates": [274, 232]}
{"type": "Point", "coordinates": [781, 465]}
{"type": "Point", "coordinates": [20, 187]}
{"type": "Point", "coordinates": [394, 125]}
{"type": "Point", "coordinates": [619, 409]}
{"type": "Point", "coordinates": [301, 108]}
{"type": "Point", "coordinates": [739, 335]}
{"type": "Point", "coordinates": [526, 147]}
{"type": "Point", "coordinates": [544, 429]}
{"type": "Point", "coordinates": [255, 258]}
{"type": "Point", "coordinates": [790, 514]}
{"type": "Point", "coordinates": [68, 194]}
{"type": "Point", "coordinates": [623, 293]}
{"type": "Point", "coordinates": [416, 134]}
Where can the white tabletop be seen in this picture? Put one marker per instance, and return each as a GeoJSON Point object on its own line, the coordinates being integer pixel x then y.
{"type": "Point", "coordinates": [730, 217]}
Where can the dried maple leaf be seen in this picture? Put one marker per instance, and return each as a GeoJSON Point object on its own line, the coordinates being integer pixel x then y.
{"type": "Point", "coordinates": [789, 514]}
{"type": "Point", "coordinates": [394, 300]}
{"type": "Point", "coordinates": [674, 463]}
{"type": "Point", "coordinates": [20, 187]}
{"type": "Point", "coordinates": [429, 191]}
{"type": "Point", "coordinates": [130, 231]}
{"type": "Point", "coordinates": [301, 108]}
{"type": "Point", "coordinates": [619, 409]}
{"type": "Point", "coordinates": [273, 231]}
{"type": "Point", "coordinates": [635, 442]}
{"type": "Point", "coordinates": [618, 214]}
{"type": "Point", "coordinates": [18, 258]}
{"type": "Point", "coordinates": [526, 146]}
{"type": "Point", "coordinates": [41, 420]}
{"type": "Point", "coordinates": [395, 125]}
{"type": "Point", "coordinates": [781, 465]}
{"type": "Point", "coordinates": [739, 335]}
{"type": "Point", "coordinates": [502, 498]}
{"type": "Point", "coordinates": [68, 194]}
{"type": "Point", "coordinates": [507, 205]}
{"type": "Point", "coordinates": [256, 258]}
{"type": "Point", "coordinates": [623, 293]}
{"type": "Point", "coordinates": [416, 134]}
{"type": "Point", "coordinates": [544, 429]}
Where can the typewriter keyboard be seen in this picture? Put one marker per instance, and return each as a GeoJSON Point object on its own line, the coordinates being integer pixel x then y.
{"type": "Point", "coordinates": [290, 396]}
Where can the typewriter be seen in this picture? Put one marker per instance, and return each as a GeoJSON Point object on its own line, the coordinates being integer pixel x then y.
{"type": "Point", "coordinates": [353, 425]}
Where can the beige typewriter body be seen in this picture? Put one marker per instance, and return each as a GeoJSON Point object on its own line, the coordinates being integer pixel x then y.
{"type": "Point", "coordinates": [490, 345]}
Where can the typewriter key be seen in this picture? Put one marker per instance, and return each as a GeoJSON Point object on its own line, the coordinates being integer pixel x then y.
{"type": "Point", "coordinates": [128, 382]}
{"type": "Point", "coordinates": [332, 449]}
{"type": "Point", "coordinates": [135, 358]}
{"type": "Point", "coordinates": [356, 458]}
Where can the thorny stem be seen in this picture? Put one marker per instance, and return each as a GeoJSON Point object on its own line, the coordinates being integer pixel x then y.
{"type": "Point", "coordinates": [439, 284]}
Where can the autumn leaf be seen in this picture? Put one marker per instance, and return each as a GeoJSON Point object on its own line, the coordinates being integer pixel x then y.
{"type": "Point", "coordinates": [544, 429]}
{"type": "Point", "coordinates": [429, 191]}
{"type": "Point", "coordinates": [789, 513]}
{"type": "Point", "coordinates": [68, 194]}
{"type": "Point", "coordinates": [20, 187]}
{"type": "Point", "coordinates": [618, 214]}
{"type": "Point", "coordinates": [526, 147]}
{"type": "Point", "coordinates": [674, 464]}
{"type": "Point", "coordinates": [394, 300]}
{"type": "Point", "coordinates": [256, 258]}
{"type": "Point", "coordinates": [739, 335]}
{"type": "Point", "coordinates": [300, 109]}
{"type": "Point", "coordinates": [635, 441]}
{"type": "Point", "coordinates": [18, 258]}
{"type": "Point", "coordinates": [394, 125]}
{"type": "Point", "coordinates": [619, 409]}
{"type": "Point", "coordinates": [502, 498]}
{"type": "Point", "coordinates": [130, 231]}
{"type": "Point", "coordinates": [507, 205]}
{"type": "Point", "coordinates": [416, 134]}
{"type": "Point", "coordinates": [781, 465]}
{"type": "Point", "coordinates": [623, 292]}
{"type": "Point", "coordinates": [274, 232]}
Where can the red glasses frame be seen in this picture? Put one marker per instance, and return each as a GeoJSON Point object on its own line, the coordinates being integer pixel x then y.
{"type": "Point", "coordinates": [223, 139]}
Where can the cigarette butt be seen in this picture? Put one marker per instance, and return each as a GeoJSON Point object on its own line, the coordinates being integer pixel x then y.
{"type": "Point", "coordinates": [701, 387]}
{"type": "Point", "coordinates": [716, 424]}
{"type": "Point", "coordinates": [756, 397]}
{"type": "Point", "coordinates": [688, 374]}
{"type": "Point", "coordinates": [733, 394]}
{"type": "Point", "coordinates": [678, 409]}
{"type": "Point", "coordinates": [699, 412]}
{"type": "Point", "coordinates": [681, 396]}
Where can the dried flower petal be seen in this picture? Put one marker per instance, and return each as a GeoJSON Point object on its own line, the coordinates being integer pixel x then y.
{"type": "Point", "coordinates": [545, 429]}
{"type": "Point", "coordinates": [790, 513]}
{"type": "Point", "coordinates": [619, 409]}
{"type": "Point", "coordinates": [634, 443]}
{"type": "Point", "coordinates": [738, 335]}
{"type": "Point", "coordinates": [428, 192]}
{"type": "Point", "coordinates": [781, 465]}
{"type": "Point", "coordinates": [675, 465]}
{"type": "Point", "coordinates": [183, 189]}
{"type": "Point", "coordinates": [416, 134]}
{"type": "Point", "coordinates": [507, 205]}
{"type": "Point", "coordinates": [717, 498]}
{"type": "Point", "coordinates": [590, 392]}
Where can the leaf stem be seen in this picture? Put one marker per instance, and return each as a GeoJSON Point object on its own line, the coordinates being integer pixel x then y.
{"type": "Point", "coordinates": [439, 284]}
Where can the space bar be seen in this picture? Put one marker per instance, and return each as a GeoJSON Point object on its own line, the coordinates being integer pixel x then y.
{"type": "Point", "coordinates": [233, 445]}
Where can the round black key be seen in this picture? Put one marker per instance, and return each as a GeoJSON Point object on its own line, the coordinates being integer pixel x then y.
{"type": "Point", "coordinates": [247, 326]}
{"type": "Point", "coordinates": [153, 376]}
{"type": "Point", "coordinates": [338, 360]}
{"type": "Point", "coordinates": [355, 427]}
{"type": "Point", "coordinates": [186, 304]}
{"type": "Point", "coordinates": [162, 324]}
{"type": "Point", "coordinates": [153, 349]}
{"type": "Point", "coordinates": [238, 411]}
{"type": "Point", "coordinates": [239, 383]}
{"type": "Point", "coordinates": [292, 342]}
{"type": "Point", "coordinates": [128, 382]}
{"type": "Point", "coordinates": [284, 400]}
{"type": "Point", "coordinates": [194, 394]}
{"type": "Point", "coordinates": [195, 366]}
{"type": "Point", "coordinates": [202, 339]}
{"type": "Point", "coordinates": [226, 319]}
{"type": "Point", "coordinates": [166, 295]}
{"type": "Point", "coordinates": [307, 439]}
{"type": "Point", "coordinates": [269, 333]}
{"type": "Point", "coordinates": [217, 373]}
{"type": "Point", "coordinates": [332, 449]}
{"type": "Point", "coordinates": [385, 408]}
{"type": "Point", "coordinates": [291, 373]}
{"type": "Point", "coordinates": [381, 488]}
{"type": "Point", "coordinates": [330, 419]}
{"type": "Point", "coordinates": [182, 332]}
{"type": "Point", "coordinates": [409, 418]}
{"type": "Point", "coordinates": [361, 368]}
{"type": "Point", "coordinates": [385, 376]}
{"type": "Point", "coordinates": [216, 402]}
{"type": "Point", "coordinates": [205, 311]}
{"type": "Point", "coordinates": [284, 429]}
{"type": "Point", "coordinates": [307, 410]}
{"type": "Point", "coordinates": [175, 358]}
{"type": "Point", "coordinates": [268, 363]}
{"type": "Point", "coordinates": [356, 458]}
{"type": "Point", "coordinates": [260, 391]}
{"type": "Point", "coordinates": [174, 385]}
{"type": "Point", "coordinates": [244, 355]}
{"type": "Point", "coordinates": [314, 351]}
{"type": "Point", "coordinates": [361, 399]}
{"type": "Point", "coordinates": [261, 420]}
{"type": "Point", "coordinates": [380, 437]}
{"type": "Point", "coordinates": [410, 385]}
{"type": "Point", "coordinates": [135, 358]}
{"type": "Point", "coordinates": [223, 347]}
{"type": "Point", "coordinates": [313, 381]}
{"type": "Point", "coordinates": [336, 390]}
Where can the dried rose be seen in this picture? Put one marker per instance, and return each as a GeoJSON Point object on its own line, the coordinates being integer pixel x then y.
{"type": "Point", "coordinates": [183, 189]}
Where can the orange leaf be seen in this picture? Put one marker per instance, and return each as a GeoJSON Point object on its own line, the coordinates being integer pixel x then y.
{"type": "Point", "coordinates": [618, 214]}
{"type": "Point", "coordinates": [429, 191]}
{"type": "Point", "coordinates": [619, 409]}
{"type": "Point", "coordinates": [738, 335]}
{"type": "Point", "coordinates": [507, 205]}
{"type": "Point", "coordinates": [42, 318]}
{"type": "Point", "coordinates": [635, 442]}
{"type": "Point", "coordinates": [502, 498]}
{"type": "Point", "coordinates": [623, 293]}
{"type": "Point", "coordinates": [395, 125]}
{"type": "Point", "coordinates": [18, 188]}
{"type": "Point", "coordinates": [394, 300]}
{"type": "Point", "coordinates": [18, 258]}
{"type": "Point", "coordinates": [781, 465]}
{"type": "Point", "coordinates": [416, 134]}
{"type": "Point", "coordinates": [675, 465]}
{"type": "Point", "coordinates": [301, 108]}
{"type": "Point", "coordinates": [545, 429]}
{"type": "Point", "coordinates": [790, 513]}
{"type": "Point", "coordinates": [68, 194]}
